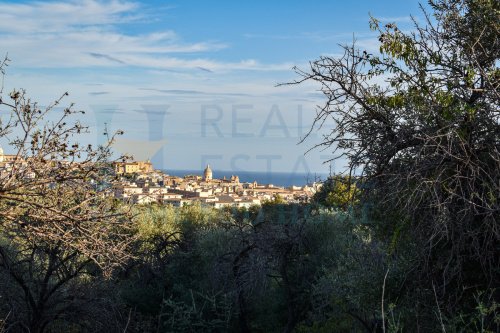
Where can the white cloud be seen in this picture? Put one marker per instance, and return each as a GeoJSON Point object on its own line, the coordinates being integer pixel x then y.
{"type": "Point", "coordinates": [87, 33]}
{"type": "Point", "coordinates": [371, 45]}
{"type": "Point", "coordinates": [44, 17]}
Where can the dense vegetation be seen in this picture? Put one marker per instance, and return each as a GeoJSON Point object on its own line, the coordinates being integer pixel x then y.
{"type": "Point", "coordinates": [302, 268]}
{"type": "Point", "coordinates": [406, 240]}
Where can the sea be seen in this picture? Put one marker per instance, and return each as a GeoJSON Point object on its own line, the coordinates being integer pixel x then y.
{"type": "Point", "coordinates": [284, 179]}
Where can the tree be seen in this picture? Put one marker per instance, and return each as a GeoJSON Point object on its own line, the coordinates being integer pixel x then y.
{"type": "Point", "coordinates": [46, 285]}
{"type": "Point", "coordinates": [419, 124]}
{"type": "Point", "coordinates": [57, 224]}
{"type": "Point", "coordinates": [337, 192]}
{"type": "Point", "coordinates": [49, 186]}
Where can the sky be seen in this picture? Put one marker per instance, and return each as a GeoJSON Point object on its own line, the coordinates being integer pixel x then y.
{"type": "Point", "coordinates": [190, 82]}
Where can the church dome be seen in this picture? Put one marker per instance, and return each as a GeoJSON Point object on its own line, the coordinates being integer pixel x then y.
{"type": "Point", "coordinates": [207, 174]}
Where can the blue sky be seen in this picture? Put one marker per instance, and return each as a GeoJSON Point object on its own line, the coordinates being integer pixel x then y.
{"type": "Point", "coordinates": [190, 82]}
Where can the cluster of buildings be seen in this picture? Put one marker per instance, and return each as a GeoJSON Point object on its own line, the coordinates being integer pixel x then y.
{"type": "Point", "coordinates": [6, 160]}
{"type": "Point", "coordinates": [139, 183]}
{"type": "Point", "coordinates": [7, 163]}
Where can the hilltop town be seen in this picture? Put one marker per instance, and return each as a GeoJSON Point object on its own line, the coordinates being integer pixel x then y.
{"type": "Point", "coordinates": [139, 183]}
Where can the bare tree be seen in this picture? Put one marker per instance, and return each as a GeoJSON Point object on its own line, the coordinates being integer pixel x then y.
{"type": "Point", "coordinates": [58, 221]}
{"type": "Point", "coordinates": [52, 185]}
{"type": "Point", "coordinates": [419, 123]}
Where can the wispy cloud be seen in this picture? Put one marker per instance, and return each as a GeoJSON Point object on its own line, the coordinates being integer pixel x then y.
{"type": "Point", "coordinates": [205, 69]}
{"type": "Point", "coordinates": [193, 92]}
{"type": "Point", "coordinates": [105, 56]}
{"type": "Point", "coordinates": [371, 45]}
{"type": "Point", "coordinates": [53, 17]}
{"type": "Point", "coordinates": [87, 33]}
{"type": "Point", "coordinates": [397, 19]}
{"type": "Point", "coordinates": [175, 91]}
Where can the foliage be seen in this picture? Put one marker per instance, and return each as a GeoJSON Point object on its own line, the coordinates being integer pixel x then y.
{"type": "Point", "coordinates": [485, 317]}
{"type": "Point", "coordinates": [406, 243]}
{"type": "Point", "coordinates": [223, 271]}
{"type": "Point", "coordinates": [276, 199]}
{"type": "Point", "coordinates": [419, 124]}
{"type": "Point", "coordinates": [182, 317]}
{"type": "Point", "coordinates": [337, 192]}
